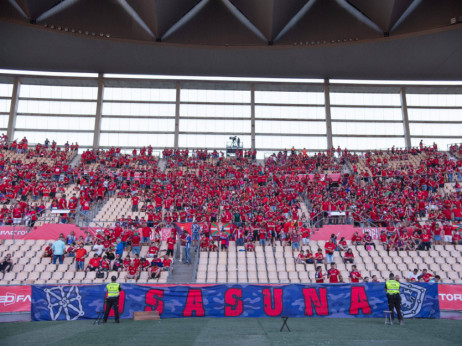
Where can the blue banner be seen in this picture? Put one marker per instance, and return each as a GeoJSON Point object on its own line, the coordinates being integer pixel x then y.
{"type": "Point", "coordinates": [172, 301]}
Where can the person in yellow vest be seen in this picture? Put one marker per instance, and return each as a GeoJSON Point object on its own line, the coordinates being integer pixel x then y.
{"type": "Point", "coordinates": [394, 298]}
{"type": "Point", "coordinates": [112, 300]}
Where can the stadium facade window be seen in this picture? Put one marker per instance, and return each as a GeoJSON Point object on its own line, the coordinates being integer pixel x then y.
{"type": "Point", "coordinates": [290, 112]}
{"type": "Point", "coordinates": [214, 110]}
{"type": "Point", "coordinates": [367, 128]}
{"type": "Point", "coordinates": [59, 92]}
{"type": "Point", "coordinates": [133, 125]}
{"type": "Point", "coordinates": [368, 143]}
{"type": "Point", "coordinates": [215, 96]}
{"type": "Point", "coordinates": [286, 113]}
{"type": "Point", "coordinates": [212, 125]}
{"type": "Point", "coordinates": [435, 118]}
{"type": "Point", "coordinates": [85, 139]}
{"type": "Point", "coordinates": [62, 113]}
{"type": "Point", "coordinates": [289, 118]}
{"type": "Point", "coordinates": [54, 122]}
{"type": "Point", "coordinates": [376, 114]}
{"type": "Point", "coordinates": [290, 127]}
{"type": "Point", "coordinates": [266, 143]}
{"type": "Point", "coordinates": [6, 91]}
{"type": "Point", "coordinates": [138, 109]}
{"type": "Point", "coordinates": [434, 100]}
{"type": "Point", "coordinates": [442, 143]}
{"type": "Point", "coordinates": [365, 99]}
{"type": "Point", "coordinates": [139, 94]}
{"type": "Point", "coordinates": [289, 97]}
{"type": "Point", "coordinates": [214, 106]}
{"type": "Point", "coordinates": [137, 117]}
{"type": "Point", "coordinates": [434, 115]}
{"type": "Point", "coordinates": [136, 140]}
{"type": "Point", "coordinates": [208, 141]}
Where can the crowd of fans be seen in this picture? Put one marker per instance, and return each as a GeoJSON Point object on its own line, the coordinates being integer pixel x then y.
{"type": "Point", "coordinates": [253, 202]}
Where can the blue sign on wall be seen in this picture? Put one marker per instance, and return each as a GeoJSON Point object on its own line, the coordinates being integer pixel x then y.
{"type": "Point", "coordinates": [173, 301]}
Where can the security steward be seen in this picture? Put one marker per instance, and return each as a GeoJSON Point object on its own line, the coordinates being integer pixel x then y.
{"type": "Point", "coordinates": [112, 300]}
{"type": "Point", "coordinates": [394, 298]}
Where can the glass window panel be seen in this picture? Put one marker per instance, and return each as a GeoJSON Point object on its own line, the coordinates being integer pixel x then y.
{"type": "Point", "coordinates": [59, 92]}
{"type": "Point", "coordinates": [84, 139]}
{"type": "Point", "coordinates": [371, 128]}
{"type": "Point", "coordinates": [6, 90]}
{"type": "Point", "coordinates": [442, 143]}
{"type": "Point", "coordinates": [54, 123]}
{"type": "Point", "coordinates": [136, 140]}
{"type": "Point", "coordinates": [284, 142]}
{"type": "Point", "coordinates": [209, 141]}
{"type": "Point", "coordinates": [231, 111]}
{"type": "Point", "coordinates": [289, 97]}
{"type": "Point", "coordinates": [296, 127]}
{"type": "Point", "coordinates": [434, 114]}
{"type": "Point", "coordinates": [365, 99]}
{"type": "Point", "coordinates": [438, 100]}
{"type": "Point", "coordinates": [364, 143]}
{"type": "Point", "coordinates": [139, 109]}
{"type": "Point", "coordinates": [435, 129]}
{"type": "Point", "coordinates": [208, 95]}
{"type": "Point", "coordinates": [56, 107]}
{"type": "Point", "coordinates": [4, 121]}
{"type": "Point", "coordinates": [5, 105]}
{"type": "Point", "coordinates": [366, 113]}
{"type": "Point", "coordinates": [290, 112]}
{"type": "Point", "coordinates": [229, 126]}
{"type": "Point", "coordinates": [140, 94]}
{"type": "Point", "coordinates": [131, 124]}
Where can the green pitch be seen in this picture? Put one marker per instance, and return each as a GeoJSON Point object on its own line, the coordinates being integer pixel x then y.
{"type": "Point", "coordinates": [243, 331]}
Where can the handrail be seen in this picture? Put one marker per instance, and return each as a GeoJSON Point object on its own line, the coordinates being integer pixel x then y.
{"type": "Point", "coordinates": [196, 263]}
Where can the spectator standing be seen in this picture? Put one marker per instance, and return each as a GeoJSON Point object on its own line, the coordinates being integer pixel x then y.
{"type": "Point", "coordinates": [330, 248]}
{"type": "Point", "coordinates": [80, 255]}
{"type": "Point", "coordinates": [187, 249]}
{"type": "Point", "coordinates": [58, 250]}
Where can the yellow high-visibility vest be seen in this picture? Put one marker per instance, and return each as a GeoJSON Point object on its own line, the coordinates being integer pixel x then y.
{"type": "Point", "coordinates": [392, 287]}
{"type": "Point", "coordinates": [112, 289]}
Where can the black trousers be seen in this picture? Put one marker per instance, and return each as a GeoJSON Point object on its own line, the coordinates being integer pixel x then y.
{"type": "Point", "coordinates": [394, 302]}
{"type": "Point", "coordinates": [112, 303]}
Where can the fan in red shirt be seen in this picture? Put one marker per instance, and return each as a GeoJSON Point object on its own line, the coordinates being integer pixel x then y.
{"type": "Point", "coordinates": [170, 245]}
{"type": "Point", "coordinates": [330, 248]}
{"type": "Point", "coordinates": [355, 276]}
{"type": "Point", "coordinates": [132, 270]}
{"type": "Point", "coordinates": [155, 271]}
{"type": "Point", "coordinates": [93, 264]}
{"type": "Point", "coordinates": [426, 276]}
{"type": "Point", "coordinates": [153, 250]}
{"type": "Point", "coordinates": [319, 257]}
{"type": "Point", "coordinates": [250, 247]}
{"type": "Point", "coordinates": [356, 239]}
{"type": "Point", "coordinates": [135, 202]}
{"type": "Point", "coordinates": [204, 244]}
{"type": "Point", "coordinates": [426, 240]}
{"type": "Point", "coordinates": [332, 274]}
{"type": "Point", "coordinates": [167, 263]}
{"type": "Point", "coordinates": [348, 256]}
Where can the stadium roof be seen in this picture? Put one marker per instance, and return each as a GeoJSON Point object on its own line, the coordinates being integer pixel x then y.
{"type": "Point", "coordinates": [367, 39]}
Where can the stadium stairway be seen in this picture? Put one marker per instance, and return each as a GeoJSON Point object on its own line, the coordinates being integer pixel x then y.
{"type": "Point", "coordinates": [183, 273]}
{"type": "Point", "coordinates": [75, 161]}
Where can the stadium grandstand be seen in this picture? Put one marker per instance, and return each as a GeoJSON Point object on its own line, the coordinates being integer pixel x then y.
{"type": "Point", "coordinates": [289, 142]}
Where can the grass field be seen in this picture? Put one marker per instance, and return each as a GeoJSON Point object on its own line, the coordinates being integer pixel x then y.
{"type": "Point", "coordinates": [243, 331]}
